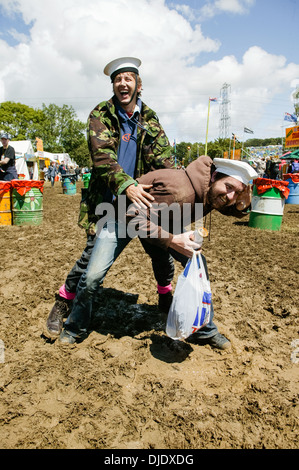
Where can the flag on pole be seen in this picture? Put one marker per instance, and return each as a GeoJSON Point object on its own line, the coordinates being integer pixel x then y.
{"type": "Point", "coordinates": [206, 146]}
{"type": "Point", "coordinates": [249, 131]}
{"type": "Point", "coordinates": [290, 117]}
{"type": "Point", "coordinates": [235, 137]}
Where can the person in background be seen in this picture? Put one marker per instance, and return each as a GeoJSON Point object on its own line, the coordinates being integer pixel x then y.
{"type": "Point", "coordinates": [8, 169]}
{"type": "Point", "coordinates": [261, 167]}
{"type": "Point", "coordinates": [77, 172]}
{"type": "Point", "coordinates": [295, 166]}
{"type": "Point", "coordinates": [45, 170]}
{"type": "Point", "coordinates": [62, 169]}
{"type": "Point", "coordinates": [52, 172]}
{"type": "Point", "coordinates": [275, 172]}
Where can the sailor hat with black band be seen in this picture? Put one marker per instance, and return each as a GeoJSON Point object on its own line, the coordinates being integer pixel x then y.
{"type": "Point", "coordinates": [241, 171]}
{"type": "Point", "coordinates": [123, 64]}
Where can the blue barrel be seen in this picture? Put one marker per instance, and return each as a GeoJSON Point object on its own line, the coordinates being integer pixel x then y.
{"type": "Point", "coordinates": [69, 184]}
{"type": "Point", "coordinates": [294, 192]}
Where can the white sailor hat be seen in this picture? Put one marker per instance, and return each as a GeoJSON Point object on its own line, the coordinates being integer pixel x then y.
{"type": "Point", "coordinates": [123, 64]}
{"type": "Point", "coordinates": [241, 171]}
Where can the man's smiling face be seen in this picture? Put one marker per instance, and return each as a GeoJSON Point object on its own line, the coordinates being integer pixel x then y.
{"type": "Point", "coordinates": [124, 88]}
{"type": "Point", "coordinates": [224, 192]}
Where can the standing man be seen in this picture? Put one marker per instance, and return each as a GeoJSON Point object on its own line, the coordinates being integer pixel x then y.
{"type": "Point", "coordinates": [8, 169]}
{"type": "Point", "coordinates": [125, 140]}
{"type": "Point", "coordinates": [52, 172]}
{"type": "Point", "coordinates": [62, 168]}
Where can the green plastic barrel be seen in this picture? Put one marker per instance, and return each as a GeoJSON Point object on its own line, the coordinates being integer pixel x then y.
{"type": "Point", "coordinates": [69, 184]}
{"type": "Point", "coordinates": [86, 178]}
{"type": "Point", "coordinates": [267, 209]}
{"type": "Point", "coordinates": [27, 209]}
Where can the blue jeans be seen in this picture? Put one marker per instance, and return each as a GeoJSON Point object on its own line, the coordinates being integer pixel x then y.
{"type": "Point", "coordinates": [108, 246]}
{"type": "Point", "coordinates": [9, 174]}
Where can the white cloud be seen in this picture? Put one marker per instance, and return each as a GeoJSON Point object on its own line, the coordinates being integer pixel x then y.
{"type": "Point", "coordinates": [186, 11]}
{"type": "Point", "coordinates": [234, 6]}
{"type": "Point", "coordinates": [70, 42]}
{"type": "Point", "coordinates": [239, 7]}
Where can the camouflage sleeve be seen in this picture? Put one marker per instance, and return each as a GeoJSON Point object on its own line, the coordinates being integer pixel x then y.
{"type": "Point", "coordinates": [158, 151]}
{"type": "Point", "coordinates": [162, 152]}
{"type": "Point", "coordinates": [103, 140]}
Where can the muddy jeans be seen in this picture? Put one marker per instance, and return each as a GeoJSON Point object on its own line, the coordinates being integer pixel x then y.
{"type": "Point", "coordinates": [162, 263]}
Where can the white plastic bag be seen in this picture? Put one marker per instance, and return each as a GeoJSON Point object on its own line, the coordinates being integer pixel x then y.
{"type": "Point", "coordinates": [191, 304]}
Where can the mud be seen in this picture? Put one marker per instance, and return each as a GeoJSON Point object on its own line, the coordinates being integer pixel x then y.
{"type": "Point", "coordinates": [129, 386]}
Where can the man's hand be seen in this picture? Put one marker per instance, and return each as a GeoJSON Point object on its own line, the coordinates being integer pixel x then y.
{"type": "Point", "coordinates": [4, 161]}
{"type": "Point", "coordinates": [244, 199]}
{"type": "Point", "coordinates": [139, 196]}
{"type": "Point", "coordinates": [184, 244]}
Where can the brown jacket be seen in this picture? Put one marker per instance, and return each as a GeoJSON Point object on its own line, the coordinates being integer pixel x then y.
{"type": "Point", "coordinates": [189, 186]}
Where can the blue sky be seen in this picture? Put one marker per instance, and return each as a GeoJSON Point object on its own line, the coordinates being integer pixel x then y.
{"type": "Point", "coordinates": [54, 52]}
{"type": "Point", "coordinates": [270, 24]}
{"type": "Point", "coordinates": [12, 22]}
{"type": "Point", "coordinates": [273, 29]}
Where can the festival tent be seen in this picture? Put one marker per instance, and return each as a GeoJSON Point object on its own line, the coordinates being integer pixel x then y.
{"type": "Point", "coordinates": [45, 157]}
{"type": "Point", "coordinates": [291, 155]}
{"type": "Point", "coordinates": [295, 154]}
{"type": "Point", "coordinates": [264, 152]}
{"type": "Point", "coordinates": [64, 157]}
{"type": "Point", "coordinates": [55, 157]}
{"type": "Point", "coordinates": [49, 157]}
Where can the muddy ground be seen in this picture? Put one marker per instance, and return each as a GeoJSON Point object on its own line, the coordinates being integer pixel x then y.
{"type": "Point", "coordinates": [129, 386]}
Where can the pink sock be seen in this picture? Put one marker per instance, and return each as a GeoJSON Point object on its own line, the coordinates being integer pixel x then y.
{"type": "Point", "coordinates": [164, 289]}
{"type": "Point", "coordinates": [65, 294]}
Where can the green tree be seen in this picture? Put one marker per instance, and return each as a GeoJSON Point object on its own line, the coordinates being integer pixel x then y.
{"type": "Point", "coordinates": [181, 150]}
{"type": "Point", "coordinates": [253, 142]}
{"type": "Point", "coordinates": [81, 155]}
{"type": "Point", "coordinates": [20, 121]}
{"type": "Point", "coordinates": [58, 127]}
{"type": "Point", "coordinates": [186, 151]}
{"type": "Point", "coordinates": [62, 132]}
{"type": "Point", "coordinates": [219, 146]}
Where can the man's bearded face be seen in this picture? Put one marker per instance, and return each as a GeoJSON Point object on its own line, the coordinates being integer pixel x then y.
{"type": "Point", "coordinates": [224, 192]}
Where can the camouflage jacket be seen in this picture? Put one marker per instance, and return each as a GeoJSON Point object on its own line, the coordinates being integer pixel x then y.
{"type": "Point", "coordinates": [153, 153]}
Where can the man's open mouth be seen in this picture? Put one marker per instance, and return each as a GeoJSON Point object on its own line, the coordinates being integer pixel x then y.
{"type": "Point", "coordinates": [223, 199]}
